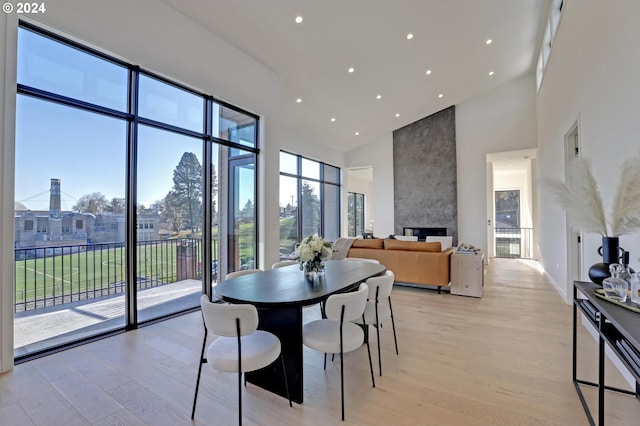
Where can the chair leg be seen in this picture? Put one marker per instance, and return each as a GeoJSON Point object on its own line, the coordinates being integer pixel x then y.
{"type": "Point", "coordinates": [325, 360]}
{"type": "Point", "coordinates": [240, 398]}
{"type": "Point", "coordinates": [379, 355]}
{"type": "Point", "coordinates": [342, 379]}
{"type": "Point", "coordinates": [373, 380]}
{"type": "Point", "coordinates": [202, 361]}
{"type": "Point", "coordinates": [286, 383]}
{"type": "Point", "coordinates": [393, 324]}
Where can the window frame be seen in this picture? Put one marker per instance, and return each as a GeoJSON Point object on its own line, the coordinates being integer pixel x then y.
{"type": "Point", "coordinates": [133, 120]}
{"type": "Point", "coordinates": [323, 184]}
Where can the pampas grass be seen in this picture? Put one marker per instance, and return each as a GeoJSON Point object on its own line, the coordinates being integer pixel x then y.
{"type": "Point", "coordinates": [583, 203]}
{"type": "Point", "coordinates": [580, 197]}
{"type": "Point", "coordinates": [625, 214]}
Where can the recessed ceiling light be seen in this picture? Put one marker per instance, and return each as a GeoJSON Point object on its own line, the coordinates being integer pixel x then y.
{"type": "Point", "coordinates": [299, 19]}
{"type": "Point", "coordinates": [428, 72]}
{"type": "Point", "coordinates": [357, 133]}
{"type": "Point", "coordinates": [333, 119]}
{"type": "Point", "coordinates": [379, 97]}
{"type": "Point", "coordinates": [490, 72]}
{"type": "Point", "coordinates": [298, 100]}
{"type": "Point", "coordinates": [351, 69]}
{"type": "Point", "coordinates": [489, 41]}
{"type": "Point", "coordinates": [440, 95]}
{"type": "Point", "coordinates": [409, 36]}
{"type": "Point", "coordinates": [397, 115]}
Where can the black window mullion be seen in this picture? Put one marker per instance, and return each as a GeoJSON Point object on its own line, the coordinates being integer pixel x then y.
{"type": "Point", "coordinates": [131, 238]}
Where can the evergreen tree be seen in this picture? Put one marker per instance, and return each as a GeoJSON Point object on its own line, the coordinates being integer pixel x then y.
{"type": "Point", "coordinates": [187, 191]}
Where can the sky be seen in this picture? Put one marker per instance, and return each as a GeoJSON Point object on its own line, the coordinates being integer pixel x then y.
{"type": "Point", "coordinates": [87, 151]}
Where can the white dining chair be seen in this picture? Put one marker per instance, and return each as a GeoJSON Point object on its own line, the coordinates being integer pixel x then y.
{"type": "Point", "coordinates": [283, 263]}
{"type": "Point", "coordinates": [240, 348]}
{"type": "Point", "coordinates": [337, 333]}
{"type": "Point", "coordinates": [241, 272]}
{"type": "Point", "coordinates": [362, 259]}
{"type": "Point", "coordinates": [376, 312]}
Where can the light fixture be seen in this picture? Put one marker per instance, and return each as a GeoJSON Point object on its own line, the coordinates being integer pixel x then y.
{"type": "Point", "coordinates": [409, 36]}
{"type": "Point", "coordinates": [351, 69]}
{"type": "Point", "coordinates": [357, 133]}
{"type": "Point", "coordinates": [397, 114]}
{"type": "Point", "coordinates": [489, 41]}
{"type": "Point", "coordinates": [428, 72]}
{"type": "Point", "coordinates": [333, 119]}
{"type": "Point", "coordinates": [490, 72]}
{"type": "Point", "coordinates": [299, 19]}
{"type": "Point", "coordinates": [298, 100]}
{"type": "Point", "coordinates": [440, 95]}
{"type": "Point", "coordinates": [379, 97]}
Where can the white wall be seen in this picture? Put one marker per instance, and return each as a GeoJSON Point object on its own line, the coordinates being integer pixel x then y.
{"type": "Point", "coordinates": [8, 40]}
{"type": "Point", "coordinates": [501, 120]}
{"type": "Point", "coordinates": [377, 154]}
{"type": "Point", "coordinates": [594, 74]}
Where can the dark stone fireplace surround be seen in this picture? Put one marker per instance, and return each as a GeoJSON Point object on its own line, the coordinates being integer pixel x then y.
{"type": "Point", "coordinates": [425, 176]}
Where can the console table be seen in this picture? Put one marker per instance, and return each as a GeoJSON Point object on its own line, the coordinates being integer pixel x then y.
{"type": "Point", "coordinates": [617, 327]}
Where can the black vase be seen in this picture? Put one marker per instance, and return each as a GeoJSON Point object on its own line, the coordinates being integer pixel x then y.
{"type": "Point", "coordinates": [611, 252]}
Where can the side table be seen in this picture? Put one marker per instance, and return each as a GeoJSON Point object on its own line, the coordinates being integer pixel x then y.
{"type": "Point", "coordinates": [467, 274]}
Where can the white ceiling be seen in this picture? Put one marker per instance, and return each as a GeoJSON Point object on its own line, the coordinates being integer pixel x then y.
{"type": "Point", "coordinates": [312, 58]}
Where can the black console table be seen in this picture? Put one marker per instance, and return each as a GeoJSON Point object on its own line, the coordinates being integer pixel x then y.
{"type": "Point", "coordinates": [619, 328]}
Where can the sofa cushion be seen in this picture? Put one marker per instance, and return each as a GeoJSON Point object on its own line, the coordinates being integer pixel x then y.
{"type": "Point", "coordinates": [390, 244]}
{"type": "Point", "coordinates": [445, 242]}
{"type": "Point", "coordinates": [369, 243]}
{"type": "Point", "coordinates": [406, 237]}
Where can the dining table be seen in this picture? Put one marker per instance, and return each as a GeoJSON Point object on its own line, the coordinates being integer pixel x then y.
{"type": "Point", "coordinates": [280, 295]}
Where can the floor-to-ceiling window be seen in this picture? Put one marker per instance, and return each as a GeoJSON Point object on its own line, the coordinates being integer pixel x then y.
{"type": "Point", "coordinates": [355, 214]}
{"type": "Point", "coordinates": [121, 176]}
{"type": "Point", "coordinates": [309, 201]}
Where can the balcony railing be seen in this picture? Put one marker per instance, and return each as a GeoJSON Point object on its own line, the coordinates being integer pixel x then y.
{"type": "Point", "coordinates": [513, 242]}
{"type": "Point", "coordinates": [63, 274]}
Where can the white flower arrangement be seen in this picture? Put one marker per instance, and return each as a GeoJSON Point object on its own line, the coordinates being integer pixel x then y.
{"type": "Point", "coordinates": [312, 251]}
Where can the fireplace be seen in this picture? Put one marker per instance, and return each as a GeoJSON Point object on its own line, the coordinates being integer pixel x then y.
{"type": "Point", "coordinates": [422, 233]}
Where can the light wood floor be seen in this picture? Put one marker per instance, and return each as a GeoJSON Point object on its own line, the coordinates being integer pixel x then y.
{"type": "Point", "coordinates": [504, 359]}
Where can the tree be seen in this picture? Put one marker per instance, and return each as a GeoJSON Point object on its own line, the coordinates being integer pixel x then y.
{"type": "Point", "coordinates": [19, 206]}
{"type": "Point", "coordinates": [170, 211]}
{"type": "Point", "coordinates": [116, 206]}
{"type": "Point", "coordinates": [94, 203]}
{"type": "Point", "coordinates": [187, 190]}
{"type": "Point", "coordinates": [247, 212]}
{"type": "Point", "coordinates": [310, 211]}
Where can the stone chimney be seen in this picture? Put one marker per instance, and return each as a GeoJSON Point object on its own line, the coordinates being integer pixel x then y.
{"type": "Point", "coordinates": [54, 198]}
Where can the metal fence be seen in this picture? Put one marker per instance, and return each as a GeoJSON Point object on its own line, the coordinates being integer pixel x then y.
{"type": "Point", "coordinates": [57, 275]}
{"type": "Point", "coordinates": [514, 242]}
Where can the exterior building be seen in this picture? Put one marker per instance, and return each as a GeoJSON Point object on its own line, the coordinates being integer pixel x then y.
{"type": "Point", "coordinates": [55, 228]}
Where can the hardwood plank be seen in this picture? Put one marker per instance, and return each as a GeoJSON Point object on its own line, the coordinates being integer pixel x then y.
{"type": "Point", "coordinates": [502, 359]}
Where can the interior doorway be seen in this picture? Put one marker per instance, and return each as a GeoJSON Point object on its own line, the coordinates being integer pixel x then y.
{"type": "Point", "coordinates": [574, 238]}
{"type": "Point", "coordinates": [511, 208]}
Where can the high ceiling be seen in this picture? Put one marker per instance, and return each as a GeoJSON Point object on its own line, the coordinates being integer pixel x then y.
{"type": "Point", "coordinates": [312, 58]}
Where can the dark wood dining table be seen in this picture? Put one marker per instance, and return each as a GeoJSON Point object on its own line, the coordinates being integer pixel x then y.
{"type": "Point", "coordinates": [280, 294]}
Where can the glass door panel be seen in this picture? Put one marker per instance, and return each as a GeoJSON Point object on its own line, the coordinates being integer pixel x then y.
{"type": "Point", "coordinates": [242, 211]}
{"type": "Point", "coordinates": [169, 222]}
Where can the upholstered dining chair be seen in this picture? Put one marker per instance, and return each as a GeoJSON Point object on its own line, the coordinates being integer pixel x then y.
{"type": "Point", "coordinates": [283, 263]}
{"type": "Point", "coordinates": [240, 348]}
{"type": "Point", "coordinates": [376, 313]}
{"type": "Point", "coordinates": [241, 272]}
{"type": "Point", "coordinates": [337, 333]}
{"type": "Point", "coordinates": [362, 259]}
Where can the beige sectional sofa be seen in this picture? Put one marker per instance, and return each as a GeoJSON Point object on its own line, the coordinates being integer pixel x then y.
{"type": "Point", "coordinates": [412, 262]}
